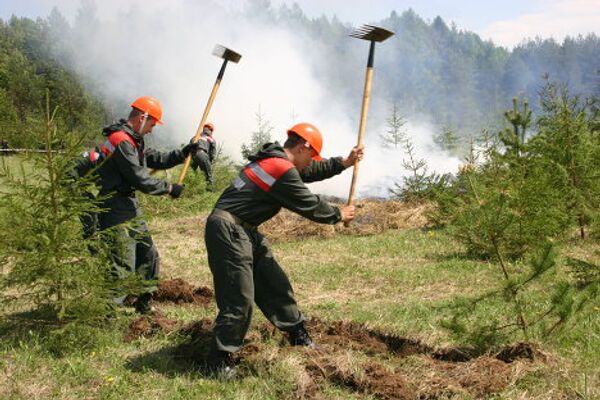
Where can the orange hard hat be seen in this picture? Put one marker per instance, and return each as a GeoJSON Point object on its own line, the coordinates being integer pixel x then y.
{"type": "Point", "coordinates": [210, 126]}
{"type": "Point", "coordinates": [311, 134]}
{"type": "Point", "coordinates": [149, 105]}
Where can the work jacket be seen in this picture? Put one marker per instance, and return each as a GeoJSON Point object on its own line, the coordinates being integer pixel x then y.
{"type": "Point", "coordinates": [125, 170]}
{"type": "Point", "coordinates": [208, 144]}
{"type": "Point", "coordinates": [270, 181]}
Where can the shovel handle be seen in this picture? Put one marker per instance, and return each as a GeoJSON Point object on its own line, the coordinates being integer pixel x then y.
{"type": "Point", "coordinates": [196, 137]}
{"type": "Point", "coordinates": [361, 129]}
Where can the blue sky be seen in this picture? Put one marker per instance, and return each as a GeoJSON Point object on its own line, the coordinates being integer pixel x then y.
{"type": "Point", "coordinates": [506, 22]}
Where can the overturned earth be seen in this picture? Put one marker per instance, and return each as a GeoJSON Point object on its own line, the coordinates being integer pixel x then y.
{"type": "Point", "coordinates": [360, 359]}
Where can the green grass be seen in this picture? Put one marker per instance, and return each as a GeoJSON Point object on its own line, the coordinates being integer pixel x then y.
{"type": "Point", "coordinates": [399, 282]}
{"type": "Point", "coordinates": [195, 197]}
{"type": "Point", "coordinates": [17, 165]}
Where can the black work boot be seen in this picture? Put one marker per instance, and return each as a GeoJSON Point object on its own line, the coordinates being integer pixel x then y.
{"type": "Point", "coordinates": [220, 364]}
{"type": "Point", "coordinates": [300, 337]}
{"type": "Point", "coordinates": [142, 304]}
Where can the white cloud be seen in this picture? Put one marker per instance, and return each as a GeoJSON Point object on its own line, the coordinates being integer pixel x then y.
{"type": "Point", "coordinates": [555, 19]}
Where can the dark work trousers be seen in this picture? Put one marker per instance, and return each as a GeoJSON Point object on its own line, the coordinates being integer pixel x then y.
{"type": "Point", "coordinates": [132, 247]}
{"type": "Point", "coordinates": [245, 272]}
{"type": "Point", "coordinates": [201, 159]}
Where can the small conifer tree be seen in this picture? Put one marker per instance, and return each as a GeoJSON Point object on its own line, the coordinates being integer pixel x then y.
{"type": "Point", "coordinates": [47, 262]}
{"type": "Point", "coordinates": [508, 209]}
{"type": "Point", "coordinates": [259, 137]}
{"type": "Point", "coordinates": [508, 203]}
{"type": "Point", "coordinates": [395, 135]}
{"type": "Point", "coordinates": [419, 184]}
{"type": "Point", "coordinates": [566, 141]}
{"type": "Point", "coordinates": [447, 140]}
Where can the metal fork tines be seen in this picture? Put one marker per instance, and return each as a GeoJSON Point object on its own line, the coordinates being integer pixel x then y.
{"type": "Point", "coordinates": [371, 32]}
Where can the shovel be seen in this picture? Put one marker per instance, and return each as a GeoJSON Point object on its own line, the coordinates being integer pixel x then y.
{"type": "Point", "coordinates": [372, 34]}
{"type": "Point", "coordinates": [227, 55]}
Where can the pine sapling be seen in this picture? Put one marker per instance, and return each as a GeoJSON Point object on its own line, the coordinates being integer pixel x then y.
{"type": "Point", "coordinates": [395, 135]}
{"type": "Point", "coordinates": [259, 137]}
{"type": "Point", "coordinates": [42, 247]}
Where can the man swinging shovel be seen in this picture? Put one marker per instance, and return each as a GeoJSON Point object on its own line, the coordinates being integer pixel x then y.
{"type": "Point", "coordinates": [372, 34]}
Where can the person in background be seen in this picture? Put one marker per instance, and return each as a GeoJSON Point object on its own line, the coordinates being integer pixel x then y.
{"type": "Point", "coordinates": [205, 155]}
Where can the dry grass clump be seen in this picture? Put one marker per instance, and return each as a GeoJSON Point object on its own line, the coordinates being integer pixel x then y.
{"type": "Point", "coordinates": [372, 217]}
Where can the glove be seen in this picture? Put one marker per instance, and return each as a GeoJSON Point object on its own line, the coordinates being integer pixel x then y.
{"type": "Point", "coordinates": [175, 190]}
{"type": "Point", "coordinates": [190, 148]}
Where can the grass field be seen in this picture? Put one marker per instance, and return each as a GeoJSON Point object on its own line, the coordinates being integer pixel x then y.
{"type": "Point", "coordinates": [13, 163]}
{"type": "Point", "coordinates": [374, 305]}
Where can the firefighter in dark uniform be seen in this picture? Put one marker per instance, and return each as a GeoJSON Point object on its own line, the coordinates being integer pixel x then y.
{"type": "Point", "coordinates": [123, 172]}
{"type": "Point", "coordinates": [242, 264]}
{"type": "Point", "coordinates": [205, 155]}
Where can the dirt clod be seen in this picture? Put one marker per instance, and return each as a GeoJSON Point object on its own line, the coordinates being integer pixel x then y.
{"type": "Point", "coordinates": [518, 351]}
{"type": "Point", "coordinates": [198, 329]}
{"type": "Point", "coordinates": [358, 337]}
{"type": "Point", "coordinates": [179, 291]}
{"type": "Point", "coordinates": [148, 325]}
{"type": "Point", "coordinates": [453, 354]}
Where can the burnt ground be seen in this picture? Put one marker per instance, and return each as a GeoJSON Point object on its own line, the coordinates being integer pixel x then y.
{"type": "Point", "coordinates": [384, 366]}
{"type": "Point", "coordinates": [179, 291]}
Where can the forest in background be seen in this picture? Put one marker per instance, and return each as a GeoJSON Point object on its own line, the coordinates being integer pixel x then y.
{"type": "Point", "coordinates": [431, 68]}
{"type": "Point", "coordinates": [28, 68]}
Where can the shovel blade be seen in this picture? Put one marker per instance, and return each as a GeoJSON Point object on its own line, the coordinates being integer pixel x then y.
{"type": "Point", "coordinates": [372, 33]}
{"type": "Point", "coordinates": [227, 54]}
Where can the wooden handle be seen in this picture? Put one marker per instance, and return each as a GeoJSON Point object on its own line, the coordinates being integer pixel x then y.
{"type": "Point", "coordinates": [361, 132]}
{"type": "Point", "coordinates": [196, 137]}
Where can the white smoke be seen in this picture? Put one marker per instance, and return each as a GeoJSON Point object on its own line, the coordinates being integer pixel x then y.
{"type": "Point", "coordinates": [164, 50]}
{"type": "Point", "coordinates": [382, 167]}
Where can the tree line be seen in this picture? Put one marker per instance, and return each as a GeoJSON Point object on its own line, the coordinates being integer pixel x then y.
{"type": "Point", "coordinates": [432, 68]}
{"type": "Point", "coordinates": [436, 69]}
{"type": "Point", "coordinates": [28, 69]}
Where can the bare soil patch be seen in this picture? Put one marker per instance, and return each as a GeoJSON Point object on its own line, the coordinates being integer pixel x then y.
{"type": "Point", "coordinates": [199, 336]}
{"type": "Point", "coordinates": [379, 368]}
{"type": "Point", "coordinates": [149, 325]}
{"type": "Point", "coordinates": [179, 291]}
{"type": "Point", "coordinates": [440, 373]}
{"type": "Point", "coordinates": [198, 330]}
{"type": "Point", "coordinates": [352, 335]}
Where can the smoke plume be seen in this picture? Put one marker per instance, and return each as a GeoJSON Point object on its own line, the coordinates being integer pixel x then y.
{"type": "Point", "coordinates": [164, 49]}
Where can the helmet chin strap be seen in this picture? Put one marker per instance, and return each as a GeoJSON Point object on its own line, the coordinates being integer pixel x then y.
{"type": "Point", "coordinates": [145, 119]}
